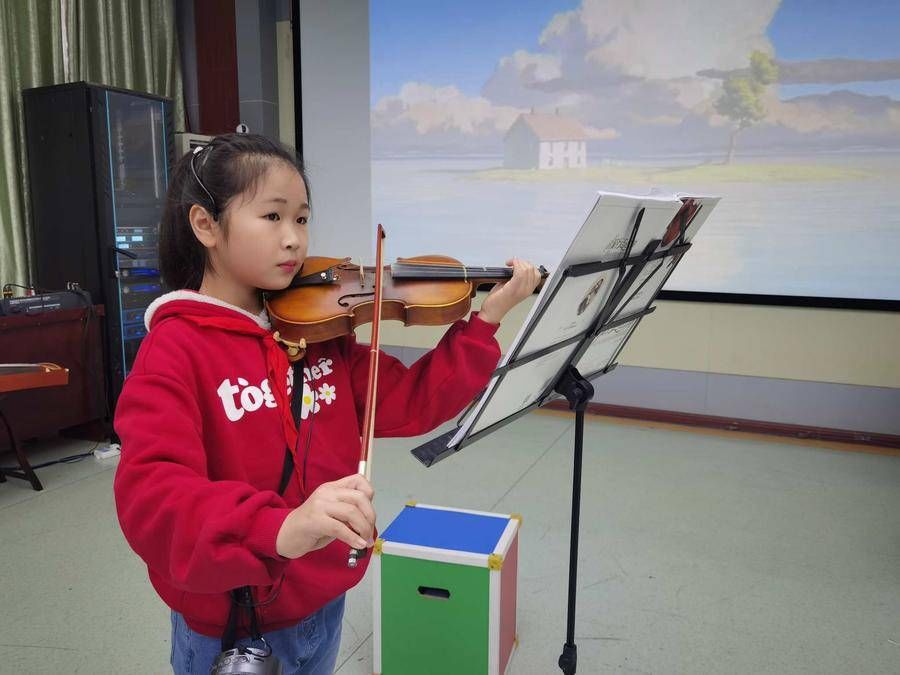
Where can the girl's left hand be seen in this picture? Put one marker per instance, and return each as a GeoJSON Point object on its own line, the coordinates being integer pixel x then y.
{"type": "Point", "coordinates": [506, 295]}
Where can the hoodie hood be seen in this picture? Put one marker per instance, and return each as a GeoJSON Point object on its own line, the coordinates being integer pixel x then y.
{"type": "Point", "coordinates": [180, 303]}
{"type": "Point", "coordinates": [208, 312]}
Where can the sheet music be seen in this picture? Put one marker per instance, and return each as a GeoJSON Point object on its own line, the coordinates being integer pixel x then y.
{"type": "Point", "coordinates": [604, 347]}
{"type": "Point", "coordinates": [604, 236]}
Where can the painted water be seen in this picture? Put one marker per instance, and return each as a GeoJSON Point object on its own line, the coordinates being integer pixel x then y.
{"type": "Point", "coordinates": [824, 225]}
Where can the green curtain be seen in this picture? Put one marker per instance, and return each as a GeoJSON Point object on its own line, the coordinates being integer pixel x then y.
{"type": "Point", "coordinates": [130, 44]}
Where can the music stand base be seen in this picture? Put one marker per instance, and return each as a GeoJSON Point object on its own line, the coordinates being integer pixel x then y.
{"type": "Point", "coordinates": [568, 660]}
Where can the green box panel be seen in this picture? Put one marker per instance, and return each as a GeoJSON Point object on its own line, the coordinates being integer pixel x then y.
{"type": "Point", "coordinates": [421, 634]}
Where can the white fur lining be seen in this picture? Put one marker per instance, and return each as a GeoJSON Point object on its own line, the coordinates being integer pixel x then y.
{"type": "Point", "coordinates": [261, 319]}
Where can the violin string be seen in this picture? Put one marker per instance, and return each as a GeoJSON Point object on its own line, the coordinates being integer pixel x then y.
{"type": "Point", "coordinates": [413, 270]}
{"type": "Point", "coordinates": [446, 275]}
{"type": "Point", "coordinates": [399, 271]}
{"type": "Point", "coordinates": [446, 267]}
{"type": "Point", "coordinates": [471, 270]}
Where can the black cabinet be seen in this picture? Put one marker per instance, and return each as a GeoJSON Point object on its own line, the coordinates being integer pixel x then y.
{"type": "Point", "coordinates": [98, 165]}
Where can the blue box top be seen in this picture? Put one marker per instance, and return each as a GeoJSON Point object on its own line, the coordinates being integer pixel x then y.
{"type": "Point", "coordinates": [449, 530]}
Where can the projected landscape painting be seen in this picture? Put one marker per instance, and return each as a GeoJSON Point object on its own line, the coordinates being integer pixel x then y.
{"type": "Point", "coordinates": [493, 125]}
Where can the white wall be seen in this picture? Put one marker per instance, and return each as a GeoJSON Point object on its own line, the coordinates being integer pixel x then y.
{"type": "Point", "coordinates": [336, 138]}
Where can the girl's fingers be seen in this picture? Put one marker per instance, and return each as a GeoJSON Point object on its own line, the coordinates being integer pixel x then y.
{"type": "Point", "coordinates": [525, 273]}
{"type": "Point", "coordinates": [519, 270]}
{"type": "Point", "coordinates": [356, 482]}
{"type": "Point", "coordinates": [359, 500]}
{"type": "Point", "coordinates": [351, 516]}
{"type": "Point", "coordinates": [338, 530]}
{"type": "Point", "coordinates": [525, 277]}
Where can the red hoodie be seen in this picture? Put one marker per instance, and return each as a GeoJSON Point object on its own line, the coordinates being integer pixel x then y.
{"type": "Point", "coordinates": [204, 420]}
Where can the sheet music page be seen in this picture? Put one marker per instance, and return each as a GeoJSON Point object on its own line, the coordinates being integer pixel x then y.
{"type": "Point", "coordinates": [604, 236]}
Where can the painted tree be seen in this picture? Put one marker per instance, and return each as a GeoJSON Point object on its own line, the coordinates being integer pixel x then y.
{"type": "Point", "coordinates": [742, 96]}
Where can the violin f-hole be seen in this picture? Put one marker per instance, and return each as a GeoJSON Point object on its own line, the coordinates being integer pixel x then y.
{"type": "Point", "coordinates": [343, 303]}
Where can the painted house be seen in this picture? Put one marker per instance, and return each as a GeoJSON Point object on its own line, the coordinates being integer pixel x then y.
{"type": "Point", "coordinates": [542, 141]}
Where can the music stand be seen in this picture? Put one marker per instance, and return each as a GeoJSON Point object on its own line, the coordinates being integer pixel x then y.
{"type": "Point", "coordinates": [577, 328]}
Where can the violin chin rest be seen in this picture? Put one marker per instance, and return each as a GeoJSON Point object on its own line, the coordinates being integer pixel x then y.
{"type": "Point", "coordinates": [295, 350]}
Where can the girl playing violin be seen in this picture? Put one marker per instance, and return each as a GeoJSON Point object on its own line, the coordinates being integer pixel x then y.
{"type": "Point", "coordinates": [205, 416]}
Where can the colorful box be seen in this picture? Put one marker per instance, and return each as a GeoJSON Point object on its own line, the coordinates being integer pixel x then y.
{"type": "Point", "coordinates": [444, 588]}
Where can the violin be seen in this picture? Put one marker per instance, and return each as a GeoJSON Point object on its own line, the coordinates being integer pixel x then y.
{"type": "Point", "coordinates": [330, 297]}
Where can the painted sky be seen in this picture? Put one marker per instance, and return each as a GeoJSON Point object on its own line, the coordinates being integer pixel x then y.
{"type": "Point", "coordinates": [460, 42]}
{"type": "Point", "coordinates": [643, 78]}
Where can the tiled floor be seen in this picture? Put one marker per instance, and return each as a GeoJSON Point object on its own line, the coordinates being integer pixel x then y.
{"type": "Point", "coordinates": [700, 553]}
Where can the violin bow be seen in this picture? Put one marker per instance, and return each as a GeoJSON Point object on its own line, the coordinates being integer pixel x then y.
{"type": "Point", "coordinates": [368, 432]}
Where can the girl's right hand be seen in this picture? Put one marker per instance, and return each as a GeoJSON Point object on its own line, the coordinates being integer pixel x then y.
{"type": "Point", "coordinates": [338, 510]}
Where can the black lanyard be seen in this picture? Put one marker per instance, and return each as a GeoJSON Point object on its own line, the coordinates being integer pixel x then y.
{"type": "Point", "coordinates": [242, 598]}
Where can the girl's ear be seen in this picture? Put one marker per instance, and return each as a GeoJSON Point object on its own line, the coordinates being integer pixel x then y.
{"type": "Point", "coordinates": [203, 225]}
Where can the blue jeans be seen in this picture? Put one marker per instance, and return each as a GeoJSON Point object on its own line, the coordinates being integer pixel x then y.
{"type": "Point", "coordinates": [309, 648]}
